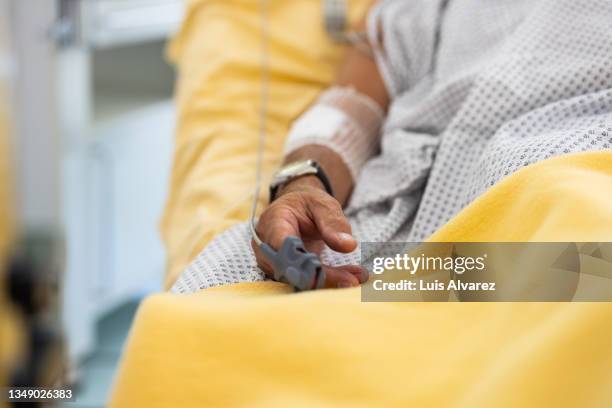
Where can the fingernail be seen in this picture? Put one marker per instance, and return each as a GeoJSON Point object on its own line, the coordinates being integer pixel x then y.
{"type": "Point", "coordinates": [343, 285]}
{"type": "Point", "coordinates": [345, 237]}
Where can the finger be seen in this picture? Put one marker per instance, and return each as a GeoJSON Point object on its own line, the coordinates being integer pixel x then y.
{"type": "Point", "coordinates": [333, 225]}
{"type": "Point", "coordinates": [274, 226]}
{"type": "Point", "coordinates": [340, 277]}
{"type": "Point", "coordinates": [356, 270]}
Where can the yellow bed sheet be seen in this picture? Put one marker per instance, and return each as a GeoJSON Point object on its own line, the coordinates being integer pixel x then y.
{"type": "Point", "coordinates": [9, 328]}
{"type": "Point", "coordinates": [256, 345]}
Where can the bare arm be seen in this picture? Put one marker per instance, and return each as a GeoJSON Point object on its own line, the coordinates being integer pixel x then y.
{"type": "Point", "coordinates": [303, 208]}
{"type": "Point", "coordinates": [359, 72]}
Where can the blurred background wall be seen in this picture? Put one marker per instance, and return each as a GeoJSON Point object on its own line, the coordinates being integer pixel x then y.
{"type": "Point", "coordinates": [91, 106]}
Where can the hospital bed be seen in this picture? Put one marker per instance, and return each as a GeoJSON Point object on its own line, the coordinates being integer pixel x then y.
{"type": "Point", "coordinates": [258, 344]}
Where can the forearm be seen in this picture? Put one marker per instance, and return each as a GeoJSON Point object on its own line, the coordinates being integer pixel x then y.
{"type": "Point", "coordinates": [358, 72]}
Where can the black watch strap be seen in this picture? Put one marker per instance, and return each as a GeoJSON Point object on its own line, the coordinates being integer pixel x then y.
{"type": "Point", "coordinates": [320, 174]}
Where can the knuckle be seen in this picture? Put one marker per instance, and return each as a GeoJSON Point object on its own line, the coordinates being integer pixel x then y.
{"type": "Point", "coordinates": [288, 203]}
{"type": "Point", "coordinates": [327, 203]}
{"type": "Point", "coordinates": [273, 213]}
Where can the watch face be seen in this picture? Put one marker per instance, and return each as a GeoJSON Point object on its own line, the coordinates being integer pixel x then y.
{"type": "Point", "coordinates": [293, 168]}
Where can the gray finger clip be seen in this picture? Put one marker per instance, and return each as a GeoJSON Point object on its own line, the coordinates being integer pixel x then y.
{"type": "Point", "coordinates": [294, 265]}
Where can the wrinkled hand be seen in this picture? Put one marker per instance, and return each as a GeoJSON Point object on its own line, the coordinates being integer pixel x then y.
{"type": "Point", "coordinates": [305, 210]}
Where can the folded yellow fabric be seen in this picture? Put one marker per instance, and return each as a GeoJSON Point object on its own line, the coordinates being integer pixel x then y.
{"type": "Point", "coordinates": [7, 218]}
{"type": "Point", "coordinates": [9, 329]}
{"type": "Point", "coordinates": [218, 57]}
{"type": "Point", "coordinates": [257, 345]}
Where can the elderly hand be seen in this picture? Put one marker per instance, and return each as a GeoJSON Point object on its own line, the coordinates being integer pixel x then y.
{"type": "Point", "coordinates": [305, 210]}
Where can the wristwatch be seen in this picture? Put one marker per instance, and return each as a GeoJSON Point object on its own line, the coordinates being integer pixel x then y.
{"type": "Point", "coordinates": [295, 170]}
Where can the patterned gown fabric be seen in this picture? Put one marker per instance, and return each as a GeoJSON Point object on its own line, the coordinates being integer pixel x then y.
{"type": "Point", "coordinates": [480, 89]}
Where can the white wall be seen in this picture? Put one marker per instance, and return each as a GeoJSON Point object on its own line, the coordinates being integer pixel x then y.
{"type": "Point", "coordinates": [5, 57]}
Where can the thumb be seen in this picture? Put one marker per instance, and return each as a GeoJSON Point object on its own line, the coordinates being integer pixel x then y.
{"type": "Point", "coordinates": [333, 225]}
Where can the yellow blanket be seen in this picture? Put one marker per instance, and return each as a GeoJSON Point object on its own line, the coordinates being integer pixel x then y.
{"type": "Point", "coordinates": [9, 329]}
{"type": "Point", "coordinates": [255, 345]}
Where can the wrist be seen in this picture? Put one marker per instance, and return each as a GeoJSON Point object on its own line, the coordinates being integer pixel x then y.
{"type": "Point", "coordinates": [304, 183]}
